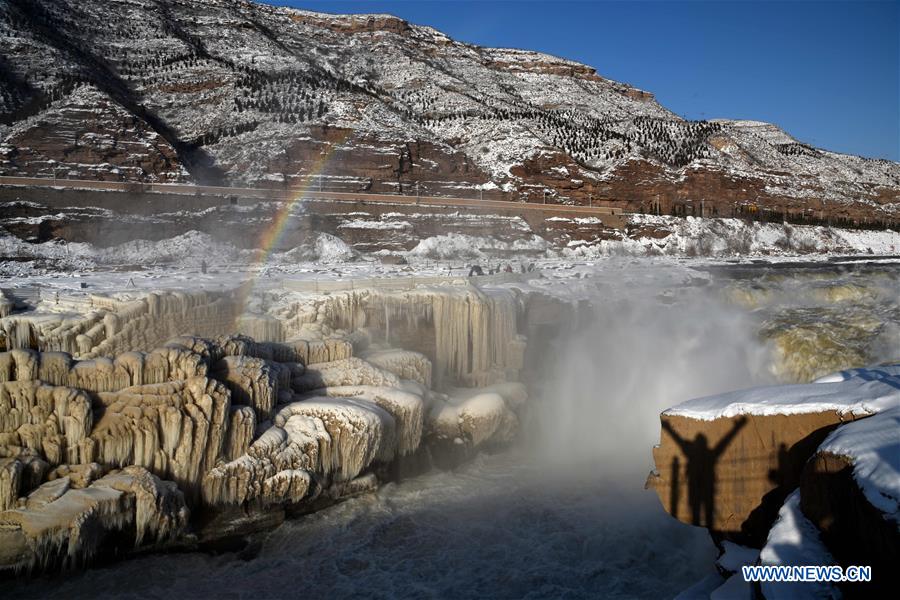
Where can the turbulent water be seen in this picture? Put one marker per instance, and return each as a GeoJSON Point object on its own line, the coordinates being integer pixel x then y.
{"type": "Point", "coordinates": [563, 514]}
{"type": "Point", "coordinates": [500, 527]}
{"type": "Point", "coordinates": [819, 321]}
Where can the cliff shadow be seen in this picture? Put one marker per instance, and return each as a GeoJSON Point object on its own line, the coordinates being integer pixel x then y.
{"type": "Point", "coordinates": [786, 478]}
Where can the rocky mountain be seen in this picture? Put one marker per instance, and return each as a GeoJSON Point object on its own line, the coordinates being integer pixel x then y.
{"type": "Point", "coordinates": [240, 93]}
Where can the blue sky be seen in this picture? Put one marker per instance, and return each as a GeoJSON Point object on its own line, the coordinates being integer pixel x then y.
{"type": "Point", "coordinates": [828, 72]}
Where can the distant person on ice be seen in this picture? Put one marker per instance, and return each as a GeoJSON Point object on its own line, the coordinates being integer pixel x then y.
{"type": "Point", "coordinates": [203, 266]}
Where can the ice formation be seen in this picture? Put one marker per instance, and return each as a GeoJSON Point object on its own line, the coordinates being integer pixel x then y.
{"type": "Point", "coordinates": [360, 433]}
{"type": "Point", "coordinates": [120, 419]}
{"type": "Point", "coordinates": [260, 327]}
{"type": "Point", "coordinates": [349, 371]}
{"type": "Point", "coordinates": [40, 426]}
{"type": "Point", "coordinates": [61, 522]}
{"type": "Point", "coordinates": [114, 326]}
{"type": "Point", "coordinates": [475, 339]}
{"type": "Point", "coordinates": [102, 374]}
{"type": "Point", "coordinates": [514, 393]}
{"type": "Point", "coordinates": [176, 429]}
{"type": "Point", "coordinates": [336, 437]}
{"type": "Point", "coordinates": [250, 478]}
{"type": "Point", "coordinates": [472, 419]}
{"type": "Point", "coordinates": [241, 431]}
{"type": "Point", "coordinates": [253, 382]}
{"type": "Point", "coordinates": [407, 409]}
{"type": "Point", "coordinates": [405, 364]}
{"type": "Point", "coordinates": [6, 305]}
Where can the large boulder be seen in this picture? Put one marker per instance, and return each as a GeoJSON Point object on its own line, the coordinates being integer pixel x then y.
{"type": "Point", "coordinates": [732, 474]}
{"type": "Point", "coordinates": [728, 462]}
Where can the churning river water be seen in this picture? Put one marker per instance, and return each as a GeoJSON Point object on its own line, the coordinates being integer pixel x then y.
{"type": "Point", "coordinates": [500, 527]}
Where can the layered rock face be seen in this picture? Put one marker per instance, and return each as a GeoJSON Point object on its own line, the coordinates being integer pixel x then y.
{"type": "Point", "coordinates": [217, 91]}
{"type": "Point", "coordinates": [819, 461]}
{"type": "Point", "coordinates": [80, 215]}
{"type": "Point", "coordinates": [204, 440]}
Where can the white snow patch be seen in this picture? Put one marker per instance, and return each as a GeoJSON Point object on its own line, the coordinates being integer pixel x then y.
{"type": "Point", "coordinates": [794, 541]}
{"type": "Point", "coordinates": [385, 225]}
{"type": "Point", "coordinates": [460, 246]}
{"type": "Point", "coordinates": [870, 392]}
{"type": "Point", "coordinates": [326, 248]}
{"type": "Point", "coordinates": [736, 556]}
{"type": "Point", "coordinates": [695, 236]}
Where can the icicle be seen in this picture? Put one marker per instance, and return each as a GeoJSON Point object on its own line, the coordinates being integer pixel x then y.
{"type": "Point", "coordinates": [405, 407]}
{"type": "Point", "coordinates": [402, 363]}
{"type": "Point", "coordinates": [58, 522]}
{"type": "Point", "coordinates": [350, 371]}
{"type": "Point", "coordinates": [176, 429]}
{"type": "Point", "coordinates": [360, 431]}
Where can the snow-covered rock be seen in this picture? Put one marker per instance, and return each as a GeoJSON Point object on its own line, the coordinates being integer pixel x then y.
{"type": "Point", "coordinates": [61, 524]}
{"type": "Point", "coordinates": [794, 541]}
{"type": "Point", "coordinates": [872, 446]}
{"type": "Point", "coordinates": [407, 409]}
{"type": "Point", "coordinates": [349, 371]}
{"type": "Point", "coordinates": [867, 392]}
{"type": "Point", "coordinates": [726, 461]}
{"type": "Point", "coordinates": [471, 419]}
{"type": "Point", "coordinates": [405, 364]}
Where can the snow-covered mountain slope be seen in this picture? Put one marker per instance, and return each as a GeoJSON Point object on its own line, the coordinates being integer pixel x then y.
{"type": "Point", "coordinates": [231, 91]}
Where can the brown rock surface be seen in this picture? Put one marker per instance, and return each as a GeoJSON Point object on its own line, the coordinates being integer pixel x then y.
{"type": "Point", "coordinates": [855, 531]}
{"type": "Point", "coordinates": [89, 136]}
{"type": "Point", "coordinates": [732, 475]}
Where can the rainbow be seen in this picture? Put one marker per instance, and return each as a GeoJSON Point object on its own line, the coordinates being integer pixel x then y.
{"type": "Point", "coordinates": [274, 233]}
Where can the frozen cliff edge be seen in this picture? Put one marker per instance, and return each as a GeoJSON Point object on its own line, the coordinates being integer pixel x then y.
{"type": "Point", "coordinates": [815, 464]}
{"type": "Point", "coordinates": [214, 445]}
{"type": "Point", "coordinates": [121, 433]}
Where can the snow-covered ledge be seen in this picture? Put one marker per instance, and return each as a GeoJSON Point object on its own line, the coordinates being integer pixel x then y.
{"type": "Point", "coordinates": [730, 462]}
{"type": "Point", "coordinates": [854, 392]}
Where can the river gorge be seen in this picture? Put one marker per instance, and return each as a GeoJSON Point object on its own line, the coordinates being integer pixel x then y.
{"type": "Point", "coordinates": [513, 424]}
